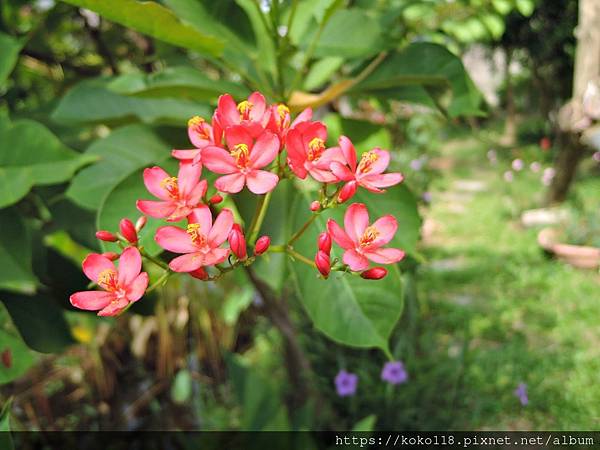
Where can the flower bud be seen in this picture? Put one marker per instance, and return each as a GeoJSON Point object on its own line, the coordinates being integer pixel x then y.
{"type": "Point", "coordinates": [324, 242]}
{"type": "Point", "coordinates": [323, 263]}
{"type": "Point", "coordinates": [262, 245]}
{"type": "Point", "coordinates": [140, 223]}
{"type": "Point", "coordinates": [376, 273]}
{"type": "Point", "coordinates": [215, 199]}
{"type": "Point", "coordinates": [315, 206]}
{"type": "Point", "coordinates": [237, 242]}
{"type": "Point", "coordinates": [106, 236]}
{"type": "Point", "coordinates": [347, 192]}
{"type": "Point", "coordinates": [128, 230]}
{"type": "Point", "coordinates": [111, 255]}
{"type": "Point", "coordinates": [7, 358]}
{"type": "Point", "coordinates": [200, 273]}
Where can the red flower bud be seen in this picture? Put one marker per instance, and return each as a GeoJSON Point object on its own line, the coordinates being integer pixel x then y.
{"type": "Point", "coordinates": [347, 191]}
{"type": "Point", "coordinates": [215, 199]}
{"type": "Point", "coordinates": [262, 245]}
{"type": "Point", "coordinates": [545, 143]}
{"type": "Point", "coordinates": [315, 206]}
{"type": "Point", "coordinates": [106, 236]}
{"type": "Point", "coordinates": [200, 273]}
{"type": "Point", "coordinates": [324, 242]}
{"type": "Point", "coordinates": [111, 255]}
{"type": "Point", "coordinates": [323, 263]}
{"type": "Point", "coordinates": [140, 223]}
{"type": "Point", "coordinates": [128, 230]}
{"type": "Point", "coordinates": [7, 358]}
{"type": "Point", "coordinates": [237, 242]}
{"type": "Point", "coordinates": [376, 273]}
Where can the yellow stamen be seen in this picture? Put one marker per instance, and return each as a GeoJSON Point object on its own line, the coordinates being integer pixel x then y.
{"type": "Point", "coordinates": [193, 229]}
{"type": "Point", "coordinates": [368, 236]}
{"type": "Point", "coordinates": [241, 154]}
{"type": "Point", "coordinates": [107, 279]}
{"type": "Point", "coordinates": [315, 149]}
{"type": "Point", "coordinates": [366, 161]}
{"type": "Point", "coordinates": [195, 121]}
{"type": "Point", "coordinates": [244, 108]}
{"type": "Point", "coordinates": [171, 185]}
{"type": "Point", "coordinates": [282, 110]}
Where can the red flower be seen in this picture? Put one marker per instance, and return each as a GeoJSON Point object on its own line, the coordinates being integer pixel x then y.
{"type": "Point", "coordinates": [242, 163]}
{"type": "Point", "coordinates": [128, 230]}
{"type": "Point", "coordinates": [323, 263]}
{"type": "Point", "coordinates": [376, 273]}
{"type": "Point", "coordinates": [121, 286]}
{"type": "Point", "coordinates": [179, 194]}
{"type": "Point", "coordinates": [199, 242]}
{"type": "Point", "coordinates": [279, 122]}
{"type": "Point", "coordinates": [363, 242]}
{"type": "Point", "coordinates": [252, 114]}
{"type": "Point", "coordinates": [262, 245]}
{"type": "Point", "coordinates": [201, 135]}
{"type": "Point", "coordinates": [237, 242]}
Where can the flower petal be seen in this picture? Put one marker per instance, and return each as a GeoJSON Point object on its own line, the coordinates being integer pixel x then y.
{"type": "Point", "coordinates": [339, 235]}
{"type": "Point", "coordinates": [304, 116]}
{"type": "Point", "coordinates": [265, 150]}
{"type": "Point", "coordinates": [202, 216]}
{"type": "Point", "coordinates": [114, 308]}
{"type": "Point", "coordinates": [94, 264]}
{"type": "Point", "coordinates": [356, 220]}
{"type": "Point", "coordinates": [261, 181]}
{"type": "Point", "coordinates": [355, 261]}
{"type": "Point", "coordinates": [227, 111]}
{"type": "Point", "coordinates": [382, 180]}
{"type": "Point", "coordinates": [382, 161]}
{"type": "Point", "coordinates": [348, 151]}
{"type": "Point", "coordinates": [153, 178]}
{"type": "Point", "coordinates": [197, 193]}
{"type": "Point", "coordinates": [91, 300]}
{"type": "Point", "coordinates": [238, 135]}
{"type": "Point", "coordinates": [341, 171]}
{"type": "Point", "coordinates": [187, 263]}
{"type": "Point", "coordinates": [385, 255]}
{"type": "Point", "coordinates": [175, 240]}
{"type": "Point", "coordinates": [186, 155]}
{"type": "Point", "coordinates": [386, 227]}
{"type": "Point", "coordinates": [156, 209]}
{"type": "Point", "coordinates": [231, 184]}
{"type": "Point", "coordinates": [130, 264]}
{"type": "Point", "coordinates": [221, 228]}
{"type": "Point", "coordinates": [188, 177]}
{"type": "Point", "coordinates": [218, 160]}
{"type": "Point", "coordinates": [216, 256]}
{"type": "Point", "coordinates": [258, 106]}
{"type": "Point", "coordinates": [137, 288]}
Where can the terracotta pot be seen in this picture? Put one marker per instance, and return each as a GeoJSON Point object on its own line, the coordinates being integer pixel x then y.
{"type": "Point", "coordinates": [580, 256]}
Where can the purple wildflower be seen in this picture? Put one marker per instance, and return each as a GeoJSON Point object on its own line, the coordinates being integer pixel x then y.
{"type": "Point", "coordinates": [535, 167]}
{"type": "Point", "coordinates": [521, 393]}
{"type": "Point", "coordinates": [426, 196]}
{"type": "Point", "coordinates": [548, 175]}
{"type": "Point", "coordinates": [596, 156]}
{"type": "Point", "coordinates": [346, 383]}
{"type": "Point", "coordinates": [508, 176]}
{"type": "Point", "coordinates": [394, 372]}
{"type": "Point", "coordinates": [517, 165]}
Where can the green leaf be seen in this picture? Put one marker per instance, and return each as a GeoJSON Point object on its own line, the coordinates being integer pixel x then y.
{"type": "Point", "coordinates": [336, 40]}
{"type": "Point", "coordinates": [366, 424]}
{"type": "Point", "coordinates": [495, 25]}
{"type": "Point", "coordinates": [526, 7]}
{"type": "Point", "coordinates": [347, 308]}
{"type": "Point", "coordinates": [30, 155]}
{"type": "Point", "coordinates": [154, 20]}
{"type": "Point", "coordinates": [264, 39]}
{"type": "Point", "coordinates": [321, 72]}
{"type": "Point", "coordinates": [428, 65]}
{"type": "Point", "coordinates": [91, 101]}
{"type": "Point", "coordinates": [175, 82]}
{"type": "Point", "coordinates": [365, 135]}
{"type": "Point", "coordinates": [21, 357]}
{"type": "Point", "coordinates": [181, 389]}
{"type": "Point", "coordinates": [9, 54]}
{"type": "Point", "coordinates": [124, 151]}
{"type": "Point", "coordinates": [39, 320]}
{"type": "Point", "coordinates": [15, 253]}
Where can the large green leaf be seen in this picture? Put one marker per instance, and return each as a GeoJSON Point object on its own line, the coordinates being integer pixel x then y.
{"type": "Point", "coordinates": [428, 65]}
{"type": "Point", "coordinates": [9, 53]}
{"type": "Point", "coordinates": [30, 155]}
{"type": "Point", "coordinates": [91, 101]}
{"type": "Point", "coordinates": [155, 20]}
{"type": "Point", "coordinates": [21, 357]}
{"type": "Point", "coordinates": [346, 308]}
{"type": "Point", "coordinates": [124, 151]}
{"type": "Point", "coordinates": [39, 320]}
{"type": "Point", "coordinates": [15, 253]}
{"type": "Point", "coordinates": [264, 41]}
{"type": "Point", "coordinates": [365, 135]}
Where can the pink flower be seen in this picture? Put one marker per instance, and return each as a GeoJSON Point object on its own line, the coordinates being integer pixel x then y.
{"type": "Point", "coordinates": [242, 163]}
{"type": "Point", "coordinates": [280, 121]}
{"type": "Point", "coordinates": [307, 153]}
{"type": "Point", "coordinates": [199, 242]}
{"type": "Point", "coordinates": [201, 135]}
{"type": "Point", "coordinates": [121, 286]}
{"type": "Point", "coordinates": [179, 195]}
{"type": "Point", "coordinates": [252, 114]}
{"type": "Point", "coordinates": [368, 173]}
{"type": "Point", "coordinates": [363, 242]}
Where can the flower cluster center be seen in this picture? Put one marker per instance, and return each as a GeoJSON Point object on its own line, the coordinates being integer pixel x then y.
{"type": "Point", "coordinates": [241, 153]}
{"type": "Point", "coordinates": [107, 279]}
{"type": "Point", "coordinates": [315, 149]}
{"type": "Point", "coordinates": [171, 186]}
{"type": "Point", "coordinates": [198, 125]}
{"type": "Point", "coordinates": [198, 238]}
{"type": "Point", "coordinates": [368, 236]}
{"type": "Point", "coordinates": [366, 161]}
{"type": "Point", "coordinates": [244, 109]}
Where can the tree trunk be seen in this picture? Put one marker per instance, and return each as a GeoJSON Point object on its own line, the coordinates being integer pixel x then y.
{"type": "Point", "coordinates": [572, 117]}
{"type": "Point", "coordinates": [510, 127]}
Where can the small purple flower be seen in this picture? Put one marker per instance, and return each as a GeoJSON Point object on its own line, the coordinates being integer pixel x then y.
{"type": "Point", "coordinates": [346, 383]}
{"type": "Point", "coordinates": [521, 393]}
{"type": "Point", "coordinates": [535, 167]}
{"type": "Point", "coordinates": [596, 156]}
{"type": "Point", "coordinates": [426, 196]}
{"type": "Point", "coordinates": [548, 175]}
{"type": "Point", "coordinates": [508, 176]}
{"type": "Point", "coordinates": [418, 164]}
{"type": "Point", "coordinates": [394, 372]}
{"type": "Point", "coordinates": [517, 165]}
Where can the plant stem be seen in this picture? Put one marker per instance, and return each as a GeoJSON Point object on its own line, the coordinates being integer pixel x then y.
{"type": "Point", "coordinates": [259, 216]}
{"type": "Point", "coordinates": [299, 233]}
{"type": "Point", "coordinates": [155, 260]}
{"type": "Point", "coordinates": [300, 257]}
{"type": "Point", "coordinates": [160, 281]}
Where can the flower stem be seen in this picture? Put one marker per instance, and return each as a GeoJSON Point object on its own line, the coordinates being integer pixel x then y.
{"type": "Point", "coordinates": [294, 254]}
{"type": "Point", "coordinates": [299, 233]}
{"type": "Point", "coordinates": [259, 217]}
{"type": "Point", "coordinates": [155, 260]}
{"type": "Point", "coordinates": [160, 281]}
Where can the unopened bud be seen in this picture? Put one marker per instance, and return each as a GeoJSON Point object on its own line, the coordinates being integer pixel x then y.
{"type": "Point", "coordinates": [315, 206]}
{"type": "Point", "coordinates": [128, 230]}
{"type": "Point", "coordinates": [262, 245]}
{"type": "Point", "coordinates": [324, 242]}
{"type": "Point", "coordinates": [323, 263]}
{"type": "Point", "coordinates": [376, 273]}
{"type": "Point", "coordinates": [347, 192]}
{"type": "Point", "coordinates": [215, 199]}
{"type": "Point", "coordinates": [199, 273]}
{"type": "Point", "coordinates": [111, 255]}
{"type": "Point", "coordinates": [106, 236]}
{"type": "Point", "coordinates": [140, 223]}
{"type": "Point", "coordinates": [237, 242]}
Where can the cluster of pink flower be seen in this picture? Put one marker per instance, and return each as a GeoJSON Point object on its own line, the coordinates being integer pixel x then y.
{"type": "Point", "coordinates": [244, 143]}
